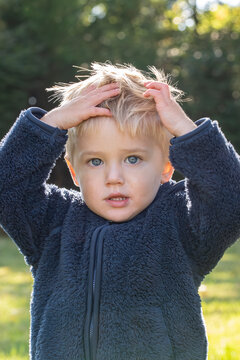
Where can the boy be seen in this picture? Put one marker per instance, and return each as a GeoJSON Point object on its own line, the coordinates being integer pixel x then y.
{"type": "Point", "coordinates": [117, 267]}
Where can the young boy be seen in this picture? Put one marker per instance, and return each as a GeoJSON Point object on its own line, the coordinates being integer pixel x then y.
{"type": "Point", "coordinates": [117, 266]}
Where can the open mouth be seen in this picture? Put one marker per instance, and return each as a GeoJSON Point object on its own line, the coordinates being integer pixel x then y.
{"type": "Point", "coordinates": [118, 198]}
{"type": "Point", "coordinates": [118, 201]}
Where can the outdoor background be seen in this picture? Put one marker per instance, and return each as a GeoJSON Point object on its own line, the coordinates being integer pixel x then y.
{"type": "Point", "coordinates": [197, 42]}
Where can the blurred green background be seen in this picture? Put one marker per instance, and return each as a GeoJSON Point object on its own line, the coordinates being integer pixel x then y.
{"type": "Point", "coordinates": [197, 42]}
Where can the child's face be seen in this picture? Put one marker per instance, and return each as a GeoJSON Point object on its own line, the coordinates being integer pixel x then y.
{"type": "Point", "coordinates": [110, 163]}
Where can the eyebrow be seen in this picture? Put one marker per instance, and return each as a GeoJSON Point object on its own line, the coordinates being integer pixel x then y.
{"type": "Point", "coordinates": [134, 150]}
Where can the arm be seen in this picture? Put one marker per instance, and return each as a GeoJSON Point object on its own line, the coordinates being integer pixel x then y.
{"type": "Point", "coordinates": [27, 155]}
{"type": "Point", "coordinates": [30, 208]}
{"type": "Point", "coordinates": [208, 205]}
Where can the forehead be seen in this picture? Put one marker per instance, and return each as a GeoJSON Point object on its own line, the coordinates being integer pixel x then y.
{"type": "Point", "coordinates": [106, 136]}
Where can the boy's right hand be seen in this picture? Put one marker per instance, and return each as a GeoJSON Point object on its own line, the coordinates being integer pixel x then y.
{"type": "Point", "coordinates": [81, 108]}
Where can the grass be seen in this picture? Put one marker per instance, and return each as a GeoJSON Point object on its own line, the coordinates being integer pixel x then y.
{"type": "Point", "coordinates": [15, 289]}
{"type": "Point", "coordinates": [221, 307]}
{"type": "Point", "coordinates": [220, 294]}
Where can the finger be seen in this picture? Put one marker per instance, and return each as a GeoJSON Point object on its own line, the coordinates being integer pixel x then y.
{"type": "Point", "coordinates": [98, 98]}
{"type": "Point", "coordinates": [98, 111]}
{"type": "Point", "coordinates": [158, 96]}
{"type": "Point", "coordinates": [156, 85]}
{"type": "Point", "coordinates": [151, 92]}
{"type": "Point", "coordinates": [108, 87]}
{"type": "Point", "coordinates": [147, 82]}
{"type": "Point", "coordinates": [88, 89]}
{"type": "Point", "coordinates": [94, 88]}
{"type": "Point", "coordinates": [162, 92]}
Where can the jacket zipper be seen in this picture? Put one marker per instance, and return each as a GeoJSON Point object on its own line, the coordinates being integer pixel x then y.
{"type": "Point", "coordinates": [93, 302]}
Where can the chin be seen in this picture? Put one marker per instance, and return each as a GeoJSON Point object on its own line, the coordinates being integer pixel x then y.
{"type": "Point", "coordinates": [119, 217]}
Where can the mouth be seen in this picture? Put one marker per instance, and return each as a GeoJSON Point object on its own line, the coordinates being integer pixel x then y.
{"type": "Point", "coordinates": [117, 200]}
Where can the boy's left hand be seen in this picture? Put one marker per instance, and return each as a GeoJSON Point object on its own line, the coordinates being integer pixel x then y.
{"type": "Point", "coordinates": [170, 112]}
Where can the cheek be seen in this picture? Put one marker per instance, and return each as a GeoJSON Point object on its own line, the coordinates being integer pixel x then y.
{"type": "Point", "coordinates": [145, 186]}
{"type": "Point", "coordinates": [148, 178]}
{"type": "Point", "coordinates": [91, 186]}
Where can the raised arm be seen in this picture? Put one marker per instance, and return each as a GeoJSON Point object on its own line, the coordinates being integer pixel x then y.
{"type": "Point", "coordinates": [30, 208]}
{"type": "Point", "coordinates": [208, 202]}
{"type": "Point", "coordinates": [27, 155]}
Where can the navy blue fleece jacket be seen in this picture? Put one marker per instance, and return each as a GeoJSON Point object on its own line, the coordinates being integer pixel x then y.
{"type": "Point", "coordinates": [119, 291]}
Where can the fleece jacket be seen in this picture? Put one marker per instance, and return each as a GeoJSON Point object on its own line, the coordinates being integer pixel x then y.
{"type": "Point", "coordinates": [128, 290]}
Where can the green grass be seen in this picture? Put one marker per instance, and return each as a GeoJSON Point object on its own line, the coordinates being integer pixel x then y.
{"type": "Point", "coordinates": [15, 289]}
{"type": "Point", "coordinates": [221, 307]}
{"type": "Point", "coordinates": [220, 300]}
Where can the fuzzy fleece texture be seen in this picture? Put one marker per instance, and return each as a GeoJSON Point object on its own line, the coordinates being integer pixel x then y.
{"type": "Point", "coordinates": [151, 266]}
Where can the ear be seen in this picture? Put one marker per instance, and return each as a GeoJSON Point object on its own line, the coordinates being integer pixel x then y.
{"type": "Point", "coordinates": [72, 172]}
{"type": "Point", "coordinates": [167, 172]}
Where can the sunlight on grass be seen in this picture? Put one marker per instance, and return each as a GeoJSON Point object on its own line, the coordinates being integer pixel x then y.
{"type": "Point", "coordinates": [15, 289]}
{"type": "Point", "coordinates": [220, 293]}
{"type": "Point", "coordinates": [221, 307]}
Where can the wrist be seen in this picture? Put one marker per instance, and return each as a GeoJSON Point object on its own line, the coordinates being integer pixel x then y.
{"type": "Point", "coordinates": [185, 128]}
{"type": "Point", "coordinates": [50, 119]}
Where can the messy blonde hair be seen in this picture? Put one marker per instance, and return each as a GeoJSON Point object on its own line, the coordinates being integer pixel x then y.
{"type": "Point", "coordinates": [131, 110]}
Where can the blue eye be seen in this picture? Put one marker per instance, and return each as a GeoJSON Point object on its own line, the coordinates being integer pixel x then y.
{"type": "Point", "coordinates": [95, 162]}
{"type": "Point", "coordinates": [133, 159]}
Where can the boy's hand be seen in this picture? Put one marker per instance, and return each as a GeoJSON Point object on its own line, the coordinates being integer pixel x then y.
{"type": "Point", "coordinates": [170, 112]}
{"type": "Point", "coordinates": [81, 108]}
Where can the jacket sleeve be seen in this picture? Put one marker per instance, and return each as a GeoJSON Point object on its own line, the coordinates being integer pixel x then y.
{"type": "Point", "coordinates": [30, 208]}
{"type": "Point", "coordinates": [208, 210]}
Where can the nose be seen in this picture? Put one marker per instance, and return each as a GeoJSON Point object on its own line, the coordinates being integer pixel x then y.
{"type": "Point", "coordinates": [114, 174]}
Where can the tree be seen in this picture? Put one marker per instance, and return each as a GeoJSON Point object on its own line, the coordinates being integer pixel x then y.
{"type": "Point", "coordinates": [40, 41]}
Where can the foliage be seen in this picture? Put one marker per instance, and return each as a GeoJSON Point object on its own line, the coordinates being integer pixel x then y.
{"type": "Point", "coordinates": [40, 41]}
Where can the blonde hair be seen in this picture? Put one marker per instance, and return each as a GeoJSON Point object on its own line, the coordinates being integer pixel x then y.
{"type": "Point", "coordinates": [131, 110]}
